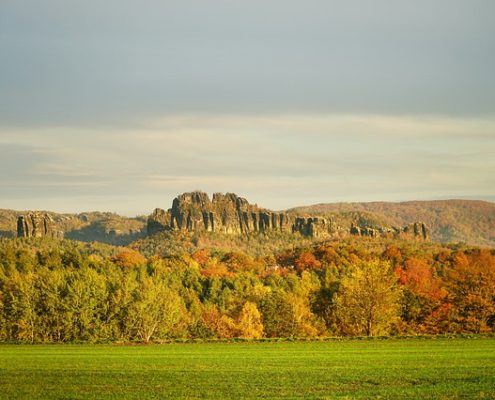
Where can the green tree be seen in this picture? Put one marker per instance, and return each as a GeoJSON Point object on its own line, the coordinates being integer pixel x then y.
{"type": "Point", "coordinates": [154, 311]}
{"type": "Point", "coordinates": [51, 290]}
{"type": "Point", "coordinates": [279, 317]}
{"type": "Point", "coordinates": [20, 306]}
{"type": "Point", "coordinates": [85, 304]}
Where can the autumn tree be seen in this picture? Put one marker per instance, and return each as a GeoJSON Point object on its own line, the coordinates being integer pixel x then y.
{"type": "Point", "coordinates": [84, 303]}
{"type": "Point", "coordinates": [238, 262]}
{"type": "Point", "coordinates": [249, 322]}
{"type": "Point", "coordinates": [51, 306]}
{"type": "Point", "coordinates": [367, 300]}
{"type": "Point", "coordinates": [323, 300]}
{"type": "Point", "coordinates": [279, 317]}
{"type": "Point", "coordinates": [302, 291]}
{"type": "Point", "coordinates": [128, 258]}
{"type": "Point", "coordinates": [471, 284]}
{"type": "Point", "coordinates": [306, 260]}
{"type": "Point", "coordinates": [422, 297]}
{"type": "Point", "coordinates": [220, 325]}
{"type": "Point", "coordinates": [154, 311]}
{"type": "Point", "coordinates": [393, 254]}
{"type": "Point", "coordinates": [60, 291]}
{"type": "Point", "coordinates": [19, 302]}
{"type": "Point", "coordinates": [201, 256]}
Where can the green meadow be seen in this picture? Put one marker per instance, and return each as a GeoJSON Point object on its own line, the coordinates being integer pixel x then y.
{"type": "Point", "coordinates": [430, 368]}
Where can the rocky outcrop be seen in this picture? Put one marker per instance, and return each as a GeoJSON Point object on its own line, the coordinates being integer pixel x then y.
{"type": "Point", "coordinates": [314, 227]}
{"type": "Point", "coordinates": [37, 224]}
{"type": "Point", "coordinates": [417, 230]}
{"type": "Point", "coordinates": [229, 213]}
{"type": "Point", "coordinates": [158, 221]}
{"type": "Point", "coordinates": [93, 226]}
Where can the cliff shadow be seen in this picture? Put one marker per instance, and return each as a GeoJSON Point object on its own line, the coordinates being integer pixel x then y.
{"type": "Point", "coordinates": [95, 233]}
{"type": "Point", "coordinates": [7, 234]}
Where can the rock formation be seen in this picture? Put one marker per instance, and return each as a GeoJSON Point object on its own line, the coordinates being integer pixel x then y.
{"type": "Point", "coordinates": [417, 230]}
{"type": "Point", "coordinates": [36, 224]}
{"type": "Point", "coordinates": [229, 213]}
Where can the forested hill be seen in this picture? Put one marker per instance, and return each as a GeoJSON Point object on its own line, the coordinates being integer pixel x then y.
{"type": "Point", "coordinates": [470, 221]}
{"type": "Point", "coordinates": [105, 227]}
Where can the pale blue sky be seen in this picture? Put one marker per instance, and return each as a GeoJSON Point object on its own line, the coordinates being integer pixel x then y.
{"type": "Point", "coordinates": [120, 105]}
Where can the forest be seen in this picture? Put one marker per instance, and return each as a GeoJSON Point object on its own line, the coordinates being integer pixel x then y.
{"type": "Point", "coordinates": [68, 291]}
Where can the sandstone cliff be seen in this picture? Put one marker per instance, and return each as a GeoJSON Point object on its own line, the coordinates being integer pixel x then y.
{"type": "Point", "coordinates": [229, 213]}
{"type": "Point", "coordinates": [418, 230]}
{"type": "Point", "coordinates": [87, 227]}
{"type": "Point", "coordinates": [36, 224]}
{"type": "Point", "coordinates": [448, 221]}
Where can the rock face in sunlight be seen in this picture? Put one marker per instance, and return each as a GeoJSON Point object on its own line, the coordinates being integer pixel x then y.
{"type": "Point", "coordinates": [37, 224]}
{"type": "Point", "coordinates": [93, 226]}
{"type": "Point", "coordinates": [417, 230]}
{"type": "Point", "coordinates": [229, 213]}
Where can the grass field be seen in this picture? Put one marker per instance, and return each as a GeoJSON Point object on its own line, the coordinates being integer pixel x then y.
{"type": "Point", "coordinates": [394, 368]}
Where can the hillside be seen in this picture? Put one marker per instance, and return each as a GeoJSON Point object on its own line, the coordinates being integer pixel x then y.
{"type": "Point", "coordinates": [469, 221]}
{"type": "Point", "coordinates": [102, 227]}
{"type": "Point", "coordinates": [255, 244]}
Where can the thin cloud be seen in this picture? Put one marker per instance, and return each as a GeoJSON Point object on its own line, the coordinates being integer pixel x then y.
{"type": "Point", "coordinates": [279, 160]}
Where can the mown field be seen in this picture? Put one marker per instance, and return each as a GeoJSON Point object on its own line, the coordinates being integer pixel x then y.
{"type": "Point", "coordinates": [394, 368]}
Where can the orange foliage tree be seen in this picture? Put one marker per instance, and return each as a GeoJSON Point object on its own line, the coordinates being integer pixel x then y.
{"type": "Point", "coordinates": [128, 258]}
{"type": "Point", "coordinates": [423, 297]}
{"type": "Point", "coordinates": [471, 284]}
{"type": "Point", "coordinates": [306, 260]}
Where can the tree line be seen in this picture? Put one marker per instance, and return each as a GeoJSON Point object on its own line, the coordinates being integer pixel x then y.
{"type": "Point", "coordinates": [64, 291]}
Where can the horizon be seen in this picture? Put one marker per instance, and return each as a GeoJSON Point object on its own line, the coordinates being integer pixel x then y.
{"type": "Point", "coordinates": [123, 104]}
{"type": "Point", "coordinates": [146, 213]}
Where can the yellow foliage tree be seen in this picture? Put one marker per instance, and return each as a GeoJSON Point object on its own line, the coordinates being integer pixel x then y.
{"type": "Point", "coordinates": [249, 322]}
{"type": "Point", "coordinates": [471, 285]}
{"type": "Point", "coordinates": [221, 325]}
{"type": "Point", "coordinates": [367, 300]}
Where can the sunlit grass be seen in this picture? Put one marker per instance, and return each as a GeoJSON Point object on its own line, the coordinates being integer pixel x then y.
{"type": "Point", "coordinates": [394, 368]}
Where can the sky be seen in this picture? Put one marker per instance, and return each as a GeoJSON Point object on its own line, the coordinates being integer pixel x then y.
{"type": "Point", "coordinates": [123, 104]}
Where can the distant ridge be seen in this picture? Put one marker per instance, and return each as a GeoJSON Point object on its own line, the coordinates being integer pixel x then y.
{"type": "Point", "coordinates": [469, 221]}
{"type": "Point", "coordinates": [93, 226]}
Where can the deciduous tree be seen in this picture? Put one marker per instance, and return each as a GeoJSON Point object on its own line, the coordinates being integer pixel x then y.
{"type": "Point", "coordinates": [471, 284]}
{"type": "Point", "coordinates": [249, 322]}
{"type": "Point", "coordinates": [367, 300]}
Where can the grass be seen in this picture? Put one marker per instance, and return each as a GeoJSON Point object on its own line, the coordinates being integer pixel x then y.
{"type": "Point", "coordinates": [349, 369]}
